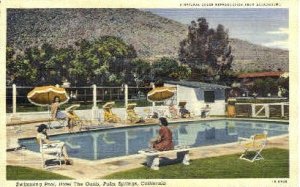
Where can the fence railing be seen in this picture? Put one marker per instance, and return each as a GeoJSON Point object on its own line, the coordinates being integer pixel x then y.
{"type": "Point", "coordinates": [16, 97]}
{"type": "Point", "coordinates": [262, 110]}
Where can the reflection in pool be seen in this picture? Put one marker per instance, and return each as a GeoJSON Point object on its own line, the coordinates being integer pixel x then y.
{"type": "Point", "coordinates": [95, 145]}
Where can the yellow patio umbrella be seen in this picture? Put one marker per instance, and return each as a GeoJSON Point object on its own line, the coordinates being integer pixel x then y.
{"type": "Point", "coordinates": [161, 93]}
{"type": "Point", "coordinates": [44, 95]}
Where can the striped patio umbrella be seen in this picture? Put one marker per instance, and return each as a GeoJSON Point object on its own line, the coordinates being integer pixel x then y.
{"type": "Point", "coordinates": [161, 93]}
{"type": "Point", "coordinates": [44, 95]}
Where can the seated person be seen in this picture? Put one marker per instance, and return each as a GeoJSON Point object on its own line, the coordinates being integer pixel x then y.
{"type": "Point", "coordinates": [164, 140]}
{"type": "Point", "coordinates": [184, 113]}
{"type": "Point", "coordinates": [55, 110]}
{"type": "Point", "coordinates": [110, 117]}
{"type": "Point", "coordinates": [150, 115]}
{"type": "Point", "coordinates": [46, 143]}
{"type": "Point", "coordinates": [133, 117]}
{"type": "Point", "coordinates": [72, 118]}
{"type": "Point", "coordinates": [154, 115]}
{"type": "Point", "coordinates": [205, 111]}
{"type": "Point", "coordinates": [173, 111]}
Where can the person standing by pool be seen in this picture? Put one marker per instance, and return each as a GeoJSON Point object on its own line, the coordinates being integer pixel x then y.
{"type": "Point", "coordinates": [43, 140]}
{"type": "Point", "coordinates": [164, 141]}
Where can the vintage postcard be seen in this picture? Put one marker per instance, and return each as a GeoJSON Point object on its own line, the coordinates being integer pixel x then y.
{"type": "Point", "coordinates": [149, 93]}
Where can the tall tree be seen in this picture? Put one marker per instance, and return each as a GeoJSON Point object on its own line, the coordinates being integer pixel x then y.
{"type": "Point", "coordinates": [141, 72]}
{"type": "Point", "coordinates": [206, 51]}
{"type": "Point", "coordinates": [105, 61]}
{"type": "Point", "coordinates": [169, 69]}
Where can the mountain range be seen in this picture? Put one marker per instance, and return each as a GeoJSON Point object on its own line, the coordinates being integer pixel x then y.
{"type": "Point", "coordinates": [151, 35]}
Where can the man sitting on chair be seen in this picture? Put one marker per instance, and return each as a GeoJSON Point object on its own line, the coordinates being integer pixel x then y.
{"type": "Point", "coordinates": [184, 112]}
{"type": "Point", "coordinates": [42, 138]}
{"type": "Point", "coordinates": [205, 111]}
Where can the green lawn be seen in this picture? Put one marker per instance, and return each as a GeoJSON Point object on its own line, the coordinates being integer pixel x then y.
{"type": "Point", "coordinates": [275, 165]}
{"type": "Point", "coordinates": [25, 173]}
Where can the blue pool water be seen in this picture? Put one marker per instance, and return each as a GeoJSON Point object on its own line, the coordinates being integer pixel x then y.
{"type": "Point", "coordinates": [107, 143]}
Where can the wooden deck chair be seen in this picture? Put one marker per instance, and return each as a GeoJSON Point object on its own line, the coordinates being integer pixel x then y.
{"type": "Point", "coordinates": [109, 116]}
{"type": "Point", "coordinates": [49, 150]}
{"type": "Point", "coordinates": [256, 144]}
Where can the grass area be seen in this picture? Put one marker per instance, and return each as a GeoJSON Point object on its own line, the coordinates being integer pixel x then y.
{"type": "Point", "coordinates": [275, 165]}
{"type": "Point", "coordinates": [25, 173]}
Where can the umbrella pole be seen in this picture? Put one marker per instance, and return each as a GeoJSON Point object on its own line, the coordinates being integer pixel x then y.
{"type": "Point", "coordinates": [153, 106]}
{"type": "Point", "coordinates": [49, 118]}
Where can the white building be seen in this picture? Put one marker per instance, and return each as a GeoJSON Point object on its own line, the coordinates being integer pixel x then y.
{"type": "Point", "coordinates": [199, 94]}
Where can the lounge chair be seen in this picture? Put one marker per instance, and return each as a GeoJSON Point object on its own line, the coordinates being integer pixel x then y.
{"type": "Point", "coordinates": [132, 116]}
{"type": "Point", "coordinates": [57, 118]}
{"type": "Point", "coordinates": [256, 144]}
{"type": "Point", "coordinates": [109, 116]}
{"type": "Point", "coordinates": [58, 123]}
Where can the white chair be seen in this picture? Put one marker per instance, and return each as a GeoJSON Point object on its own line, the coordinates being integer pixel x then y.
{"type": "Point", "coordinates": [50, 149]}
{"type": "Point", "coordinates": [255, 143]}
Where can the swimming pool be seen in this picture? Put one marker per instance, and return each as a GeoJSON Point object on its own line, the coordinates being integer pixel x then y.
{"type": "Point", "coordinates": [108, 143]}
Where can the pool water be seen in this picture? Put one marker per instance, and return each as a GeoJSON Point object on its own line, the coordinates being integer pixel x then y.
{"type": "Point", "coordinates": [107, 143]}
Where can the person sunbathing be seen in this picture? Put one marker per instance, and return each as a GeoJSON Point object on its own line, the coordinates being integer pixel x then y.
{"type": "Point", "coordinates": [46, 143]}
{"type": "Point", "coordinates": [110, 117]}
{"type": "Point", "coordinates": [164, 140]}
{"type": "Point", "coordinates": [133, 117]}
{"type": "Point", "coordinates": [55, 109]}
{"type": "Point", "coordinates": [72, 118]}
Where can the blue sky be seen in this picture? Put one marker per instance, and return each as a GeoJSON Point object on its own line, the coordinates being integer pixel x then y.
{"type": "Point", "coordinates": [268, 27]}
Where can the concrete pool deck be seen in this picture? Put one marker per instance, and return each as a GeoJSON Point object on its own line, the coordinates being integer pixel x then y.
{"type": "Point", "coordinates": [86, 169]}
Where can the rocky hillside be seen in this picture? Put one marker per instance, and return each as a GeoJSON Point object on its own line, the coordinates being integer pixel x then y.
{"type": "Point", "coordinates": [248, 56]}
{"type": "Point", "coordinates": [151, 35]}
